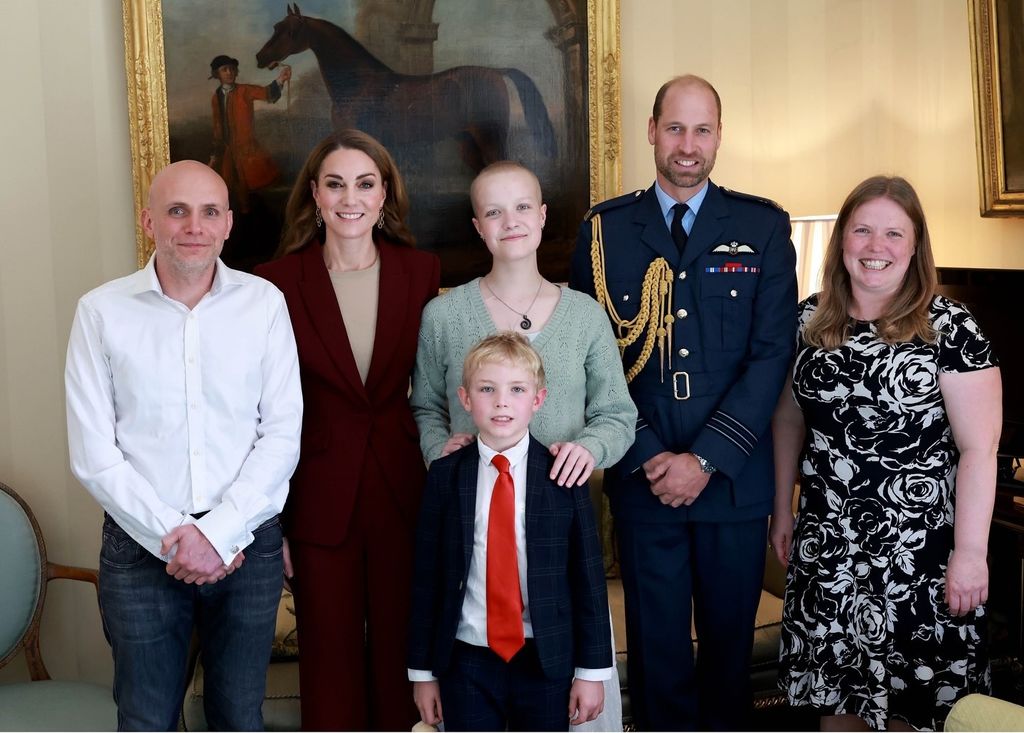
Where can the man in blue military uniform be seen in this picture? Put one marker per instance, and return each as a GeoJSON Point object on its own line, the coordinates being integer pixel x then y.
{"type": "Point", "coordinates": [699, 283]}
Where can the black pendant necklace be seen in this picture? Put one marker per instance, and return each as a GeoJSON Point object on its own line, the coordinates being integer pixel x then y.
{"type": "Point", "coordinates": [526, 324]}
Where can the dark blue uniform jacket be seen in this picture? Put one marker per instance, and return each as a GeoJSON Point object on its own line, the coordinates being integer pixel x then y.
{"type": "Point", "coordinates": [733, 302]}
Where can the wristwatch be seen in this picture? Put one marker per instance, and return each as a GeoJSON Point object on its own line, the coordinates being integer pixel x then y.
{"type": "Point", "coordinates": [705, 465]}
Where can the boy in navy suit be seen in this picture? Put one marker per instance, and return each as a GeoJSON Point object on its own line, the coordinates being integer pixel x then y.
{"type": "Point", "coordinates": [510, 611]}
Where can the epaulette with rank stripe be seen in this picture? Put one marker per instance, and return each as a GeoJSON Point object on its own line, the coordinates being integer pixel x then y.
{"type": "Point", "coordinates": [614, 203]}
{"type": "Point", "coordinates": [749, 197]}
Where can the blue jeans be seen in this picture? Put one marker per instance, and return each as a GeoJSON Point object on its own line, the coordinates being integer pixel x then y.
{"type": "Point", "coordinates": [148, 618]}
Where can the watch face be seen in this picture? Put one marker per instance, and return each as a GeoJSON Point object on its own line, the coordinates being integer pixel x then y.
{"type": "Point", "coordinates": [705, 464]}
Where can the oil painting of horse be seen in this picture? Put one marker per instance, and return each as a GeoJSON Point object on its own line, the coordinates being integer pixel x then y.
{"type": "Point", "coordinates": [447, 86]}
{"type": "Point", "coordinates": [468, 103]}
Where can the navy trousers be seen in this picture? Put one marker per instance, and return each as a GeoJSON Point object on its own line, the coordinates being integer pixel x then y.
{"type": "Point", "coordinates": [480, 691]}
{"type": "Point", "coordinates": [719, 567]}
{"type": "Point", "coordinates": [148, 618]}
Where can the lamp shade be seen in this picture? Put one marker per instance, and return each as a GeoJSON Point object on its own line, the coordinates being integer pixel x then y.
{"type": "Point", "coordinates": [810, 238]}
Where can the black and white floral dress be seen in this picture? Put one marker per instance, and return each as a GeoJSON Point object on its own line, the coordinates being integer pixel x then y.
{"type": "Point", "coordinates": [866, 630]}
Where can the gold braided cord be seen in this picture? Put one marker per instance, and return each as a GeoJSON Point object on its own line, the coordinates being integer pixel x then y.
{"type": "Point", "coordinates": [653, 319]}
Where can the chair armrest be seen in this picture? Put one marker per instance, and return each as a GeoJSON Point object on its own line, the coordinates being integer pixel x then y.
{"type": "Point", "coordinates": [70, 572]}
{"type": "Point", "coordinates": [33, 656]}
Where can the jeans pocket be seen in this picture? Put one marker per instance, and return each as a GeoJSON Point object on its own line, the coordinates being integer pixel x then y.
{"type": "Point", "coordinates": [267, 540]}
{"type": "Point", "coordinates": [119, 550]}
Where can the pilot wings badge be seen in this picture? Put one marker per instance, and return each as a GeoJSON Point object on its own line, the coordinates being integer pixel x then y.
{"type": "Point", "coordinates": [733, 248]}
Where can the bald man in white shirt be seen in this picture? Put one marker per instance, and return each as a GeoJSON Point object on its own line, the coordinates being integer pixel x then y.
{"type": "Point", "coordinates": [184, 412]}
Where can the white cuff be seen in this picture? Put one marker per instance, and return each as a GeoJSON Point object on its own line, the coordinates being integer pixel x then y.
{"type": "Point", "coordinates": [594, 675]}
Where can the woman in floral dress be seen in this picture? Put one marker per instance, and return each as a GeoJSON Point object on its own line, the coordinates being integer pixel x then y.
{"type": "Point", "coordinates": [893, 418]}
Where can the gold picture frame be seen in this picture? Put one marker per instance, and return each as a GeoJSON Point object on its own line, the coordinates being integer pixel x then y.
{"type": "Point", "coordinates": [998, 79]}
{"type": "Point", "coordinates": [148, 104]}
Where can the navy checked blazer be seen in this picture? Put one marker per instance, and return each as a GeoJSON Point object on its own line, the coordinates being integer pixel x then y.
{"type": "Point", "coordinates": [564, 568]}
{"type": "Point", "coordinates": [734, 305]}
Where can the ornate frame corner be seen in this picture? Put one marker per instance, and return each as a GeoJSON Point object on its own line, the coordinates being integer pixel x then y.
{"type": "Point", "coordinates": [995, 198]}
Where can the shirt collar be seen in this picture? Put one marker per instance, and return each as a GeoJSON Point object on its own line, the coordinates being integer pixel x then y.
{"type": "Point", "coordinates": [147, 281]}
{"type": "Point", "coordinates": [667, 202]}
{"type": "Point", "coordinates": [224, 276]}
{"type": "Point", "coordinates": [515, 454]}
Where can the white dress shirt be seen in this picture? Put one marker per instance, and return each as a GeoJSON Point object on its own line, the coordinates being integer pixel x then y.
{"type": "Point", "coordinates": [172, 412]}
{"type": "Point", "coordinates": [473, 622]}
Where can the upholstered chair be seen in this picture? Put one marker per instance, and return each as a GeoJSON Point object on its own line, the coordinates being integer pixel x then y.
{"type": "Point", "coordinates": [43, 703]}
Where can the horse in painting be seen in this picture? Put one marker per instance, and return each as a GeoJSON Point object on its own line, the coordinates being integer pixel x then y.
{"type": "Point", "coordinates": [471, 104]}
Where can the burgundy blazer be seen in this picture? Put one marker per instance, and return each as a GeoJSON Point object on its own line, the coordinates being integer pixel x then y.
{"type": "Point", "coordinates": [344, 423]}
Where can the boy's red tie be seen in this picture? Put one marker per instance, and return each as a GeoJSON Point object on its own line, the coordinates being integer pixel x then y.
{"type": "Point", "coordinates": [504, 599]}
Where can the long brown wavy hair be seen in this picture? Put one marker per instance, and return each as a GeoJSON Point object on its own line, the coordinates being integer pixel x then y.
{"type": "Point", "coordinates": [906, 316]}
{"type": "Point", "coordinates": [300, 229]}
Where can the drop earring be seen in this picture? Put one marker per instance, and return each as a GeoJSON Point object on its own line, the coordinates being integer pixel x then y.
{"type": "Point", "coordinates": [319, 219]}
{"type": "Point", "coordinates": [380, 219]}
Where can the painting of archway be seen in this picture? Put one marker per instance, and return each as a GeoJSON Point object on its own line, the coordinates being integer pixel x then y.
{"type": "Point", "coordinates": [447, 85]}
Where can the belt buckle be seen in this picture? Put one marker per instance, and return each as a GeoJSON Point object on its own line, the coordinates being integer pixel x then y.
{"type": "Point", "coordinates": [675, 385]}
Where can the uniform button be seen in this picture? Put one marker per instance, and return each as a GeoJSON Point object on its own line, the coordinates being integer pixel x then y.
{"type": "Point", "coordinates": [625, 297]}
{"type": "Point", "coordinates": [733, 293]}
{"type": "Point", "coordinates": [684, 353]}
{"type": "Point", "coordinates": [682, 275]}
{"type": "Point", "coordinates": [681, 313]}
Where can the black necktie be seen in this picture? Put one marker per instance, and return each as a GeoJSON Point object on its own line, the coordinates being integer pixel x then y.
{"type": "Point", "coordinates": [678, 233]}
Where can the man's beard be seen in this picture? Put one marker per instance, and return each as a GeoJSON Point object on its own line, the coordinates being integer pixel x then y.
{"type": "Point", "coordinates": [684, 179]}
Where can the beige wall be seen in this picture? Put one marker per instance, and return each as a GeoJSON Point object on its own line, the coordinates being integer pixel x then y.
{"type": "Point", "coordinates": [65, 226]}
{"type": "Point", "coordinates": [817, 94]}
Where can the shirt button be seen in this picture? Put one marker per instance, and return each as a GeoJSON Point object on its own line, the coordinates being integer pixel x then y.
{"type": "Point", "coordinates": [195, 452]}
{"type": "Point", "coordinates": [191, 360]}
{"type": "Point", "coordinates": [733, 293]}
{"type": "Point", "coordinates": [684, 353]}
{"type": "Point", "coordinates": [682, 275]}
{"type": "Point", "coordinates": [681, 313]}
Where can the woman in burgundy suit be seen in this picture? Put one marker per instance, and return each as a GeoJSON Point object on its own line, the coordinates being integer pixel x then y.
{"type": "Point", "coordinates": [355, 288]}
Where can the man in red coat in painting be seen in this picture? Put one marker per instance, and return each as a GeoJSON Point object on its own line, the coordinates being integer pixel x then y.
{"type": "Point", "coordinates": [243, 164]}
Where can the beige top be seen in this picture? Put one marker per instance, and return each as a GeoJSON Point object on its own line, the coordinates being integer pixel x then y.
{"type": "Point", "coordinates": [357, 292]}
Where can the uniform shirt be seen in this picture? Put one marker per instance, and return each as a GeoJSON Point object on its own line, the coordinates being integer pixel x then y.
{"type": "Point", "coordinates": [173, 412]}
{"type": "Point", "coordinates": [693, 206]}
{"type": "Point", "coordinates": [473, 623]}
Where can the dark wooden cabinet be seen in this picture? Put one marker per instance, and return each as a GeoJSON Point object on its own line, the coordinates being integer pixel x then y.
{"type": "Point", "coordinates": [1006, 591]}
